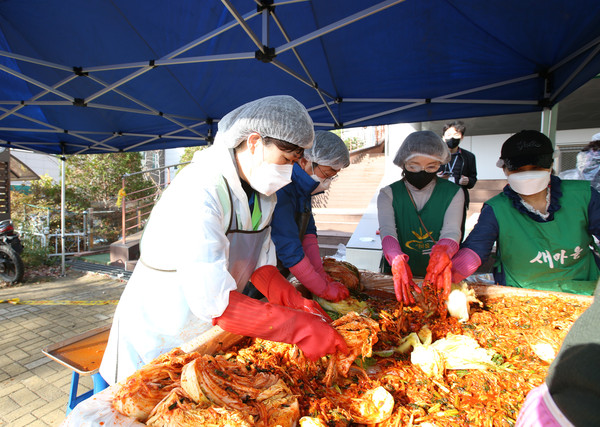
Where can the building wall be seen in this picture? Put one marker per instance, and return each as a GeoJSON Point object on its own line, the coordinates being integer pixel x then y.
{"type": "Point", "coordinates": [41, 164]}
{"type": "Point", "coordinates": [486, 149]}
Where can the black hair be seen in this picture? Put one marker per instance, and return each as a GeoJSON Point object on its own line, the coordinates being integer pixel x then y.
{"type": "Point", "coordinates": [458, 125]}
{"type": "Point", "coordinates": [284, 146]}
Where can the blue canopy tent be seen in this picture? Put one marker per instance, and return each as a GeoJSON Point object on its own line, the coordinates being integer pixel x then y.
{"type": "Point", "coordinates": [98, 76]}
{"type": "Point", "coordinates": [101, 76]}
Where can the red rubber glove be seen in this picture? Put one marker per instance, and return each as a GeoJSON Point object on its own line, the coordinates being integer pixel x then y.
{"type": "Point", "coordinates": [249, 317]}
{"type": "Point", "coordinates": [269, 281]}
{"type": "Point", "coordinates": [439, 268]}
{"type": "Point", "coordinates": [331, 291]}
{"type": "Point", "coordinates": [310, 244]}
{"type": "Point", "coordinates": [451, 246]}
{"type": "Point", "coordinates": [464, 263]}
{"type": "Point", "coordinates": [403, 280]}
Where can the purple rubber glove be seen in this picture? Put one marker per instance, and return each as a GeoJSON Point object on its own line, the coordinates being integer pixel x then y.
{"type": "Point", "coordinates": [464, 263]}
{"type": "Point", "coordinates": [539, 410]}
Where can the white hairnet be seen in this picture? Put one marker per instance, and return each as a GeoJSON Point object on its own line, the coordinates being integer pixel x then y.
{"type": "Point", "coordinates": [423, 143]}
{"type": "Point", "coordinates": [328, 150]}
{"type": "Point", "coordinates": [588, 168]}
{"type": "Point", "coordinates": [596, 137]}
{"type": "Point", "coordinates": [588, 163]}
{"type": "Point", "coordinates": [280, 117]}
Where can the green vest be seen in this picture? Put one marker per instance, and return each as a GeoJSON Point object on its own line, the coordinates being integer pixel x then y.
{"type": "Point", "coordinates": [549, 256]}
{"type": "Point", "coordinates": [414, 240]}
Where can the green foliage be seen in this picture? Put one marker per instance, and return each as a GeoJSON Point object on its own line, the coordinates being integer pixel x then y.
{"type": "Point", "coordinates": [354, 143]}
{"type": "Point", "coordinates": [34, 254]}
{"type": "Point", "coordinates": [92, 181]}
{"type": "Point", "coordinates": [97, 178]}
{"type": "Point", "coordinates": [188, 154]}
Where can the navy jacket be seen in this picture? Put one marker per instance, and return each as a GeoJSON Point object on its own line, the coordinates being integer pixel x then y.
{"type": "Point", "coordinates": [292, 200]}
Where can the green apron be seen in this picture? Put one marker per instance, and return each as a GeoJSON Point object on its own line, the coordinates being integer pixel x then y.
{"type": "Point", "coordinates": [414, 240]}
{"type": "Point", "coordinates": [549, 256]}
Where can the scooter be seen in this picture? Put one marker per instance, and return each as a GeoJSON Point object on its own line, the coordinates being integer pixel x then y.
{"type": "Point", "coordinates": [11, 264]}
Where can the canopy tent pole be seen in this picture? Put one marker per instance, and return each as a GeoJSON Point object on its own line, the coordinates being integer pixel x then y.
{"type": "Point", "coordinates": [62, 214]}
{"type": "Point", "coordinates": [548, 124]}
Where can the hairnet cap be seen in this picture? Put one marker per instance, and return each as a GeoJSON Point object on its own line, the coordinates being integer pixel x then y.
{"type": "Point", "coordinates": [328, 150]}
{"type": "Point", "coordinates": [596, 137]}
{"type": "Point", "coordinates": [280, 117]}
{"type": "Point", "coordinates": [528, 147]}
{"type": "Point", "coordinates": [422, 143]}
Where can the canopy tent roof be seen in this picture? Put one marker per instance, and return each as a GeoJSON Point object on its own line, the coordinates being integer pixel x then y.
{"type": "Point", "coordinates": [101, 76]}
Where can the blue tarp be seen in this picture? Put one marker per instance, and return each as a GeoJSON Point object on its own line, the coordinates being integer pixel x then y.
{"type": "Point", "coordinates": [96, 76]}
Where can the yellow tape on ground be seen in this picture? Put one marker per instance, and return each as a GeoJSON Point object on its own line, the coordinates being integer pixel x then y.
{"type": "Point", "coordinates": [18, 301]}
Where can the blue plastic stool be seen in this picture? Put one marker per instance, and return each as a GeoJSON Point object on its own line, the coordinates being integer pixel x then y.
{"type": "Point", "coordinates": [83, 355]}
{"type": "Point", "coordinates": [99, 385]}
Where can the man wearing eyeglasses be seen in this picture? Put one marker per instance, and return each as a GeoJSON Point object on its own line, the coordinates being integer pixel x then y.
{"type": "Point", "coordinates": [293, 227]}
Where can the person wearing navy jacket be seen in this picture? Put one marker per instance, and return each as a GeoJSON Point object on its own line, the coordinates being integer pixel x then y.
{"type": "Point", "coordinates": [543, 227]}
{"type": "Point", "coordinates": [293, 228]}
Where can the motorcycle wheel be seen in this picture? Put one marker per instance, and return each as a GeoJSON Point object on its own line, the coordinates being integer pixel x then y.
{"type": "Point", "coordinates": [11, 265]}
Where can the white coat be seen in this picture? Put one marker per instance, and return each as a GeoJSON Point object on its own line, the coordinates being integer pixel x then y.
{"type": "Point", "coordinates": [183, 278]}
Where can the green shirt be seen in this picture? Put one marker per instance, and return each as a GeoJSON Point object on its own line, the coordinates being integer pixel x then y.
{"type": "Point", "coordinates": [553, 255]}
{"type": "Point", "coordinates": [414, 240]}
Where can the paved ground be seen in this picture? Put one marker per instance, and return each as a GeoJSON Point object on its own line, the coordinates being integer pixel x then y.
{"type": "Point", "coordinates": [34, 389]}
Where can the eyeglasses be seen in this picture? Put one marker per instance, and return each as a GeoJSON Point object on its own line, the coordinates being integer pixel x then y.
{"type": "Point", "coordinates": [328, 177]}
{"type": "Point", "coordinates": [413, 167]}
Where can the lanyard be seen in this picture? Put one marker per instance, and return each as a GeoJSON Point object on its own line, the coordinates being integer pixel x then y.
{"type": "Point", "coordinates": [256, 213]}
{"type": "Point", "coordinates": [453, 163]}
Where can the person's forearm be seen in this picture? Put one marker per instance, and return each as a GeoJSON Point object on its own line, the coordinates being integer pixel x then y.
{"type": "Point", "coordinates": [385, 214]}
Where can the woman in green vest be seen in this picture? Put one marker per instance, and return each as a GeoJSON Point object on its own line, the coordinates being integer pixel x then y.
{"type": "Point", "coordinates": [420, 215]}
{"type": "Point", "coordinates": [543, 226]}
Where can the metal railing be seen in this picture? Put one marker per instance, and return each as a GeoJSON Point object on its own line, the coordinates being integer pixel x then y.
{"type": "Point", "coordinates": [79, 237]}
{"type": "Point", "coordinates": [137, 205]}
{"type": "Point", "coordinates": [84, 229]}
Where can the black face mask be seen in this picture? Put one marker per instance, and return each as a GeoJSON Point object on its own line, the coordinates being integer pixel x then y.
{"type": "Point", "coordinates": [452, 142]}
{"type": "Point", "coordinates": [419, 179]}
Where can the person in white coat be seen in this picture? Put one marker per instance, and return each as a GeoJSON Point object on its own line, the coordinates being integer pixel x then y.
{"type": "Point", "coordinates": [208, 235]}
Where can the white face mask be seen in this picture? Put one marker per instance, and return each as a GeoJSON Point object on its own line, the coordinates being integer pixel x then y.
{"type": "Point", "coordinates": [267, 178]}
{"type": "Point", "coordinates": [324, 184]}
{"type": "Point", "coordinates": [529, 182]}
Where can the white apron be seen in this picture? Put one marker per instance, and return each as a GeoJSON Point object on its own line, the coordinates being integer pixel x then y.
{"type": "Point", "coordinates": [142, 327]}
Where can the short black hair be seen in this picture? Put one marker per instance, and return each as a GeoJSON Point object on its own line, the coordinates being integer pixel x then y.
{"type": "Point", "coordinates": [458, 125]}
{"type": "Point", "coordinates": [284, 146]}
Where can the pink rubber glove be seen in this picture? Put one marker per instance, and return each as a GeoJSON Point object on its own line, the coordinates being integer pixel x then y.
{"type": "Point", "coordinates": [306, 274]}
{"type": "Point", "coordinates": [539, 410]}
{"type": "Point", "coordinates": [450, 246]}
{"type": "Point", "coordinates": [269, 281]}
{"type": "Point", "coordinates": [464, 263]}
{"type": "Point", "coordinates": [249, 317]}
{"type": "Point", "coordinates": [391, 249]}
{"type": "Point", "coordinates": [310, 244]}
